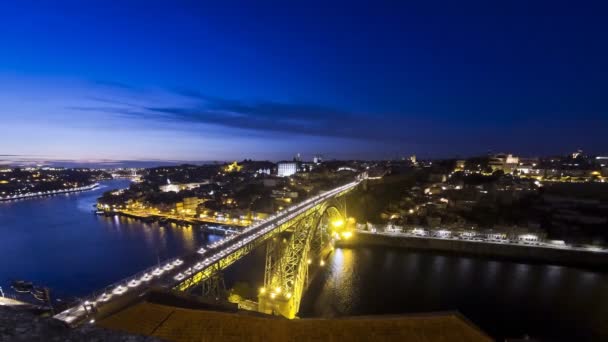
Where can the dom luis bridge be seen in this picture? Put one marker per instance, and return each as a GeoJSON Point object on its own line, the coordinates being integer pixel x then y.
{"type": "Point", "coordinates": [311, 227]}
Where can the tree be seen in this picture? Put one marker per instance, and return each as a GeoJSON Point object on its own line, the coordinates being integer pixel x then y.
{"type": "Point", "coordinates": [240, 291]}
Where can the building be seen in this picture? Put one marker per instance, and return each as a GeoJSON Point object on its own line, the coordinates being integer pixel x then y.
{"type": "Point", "coordinates": [460, 164]}
{"type": "Point", "coordinates": [601, 161]}
{"type": "Point", "coordinates": [286, 169]}
{"type": "Point", "coordinates": [306, 166]}
{"type": "Point", "coordinates": [234, 167]}
{"type": "Point", "coordinates": [503, 162]}
{"type": "Point", "coordinates": [188, 206]}
{"type": "Point", "coordinates": [177, 187]}
{"type": "Point", "coordinates": [578, 153]}
{"type": "Point", "coordinates": [284, 194]}
{"type": "Point", "coordinates": [263, 171]}
{"type": "Point", "coordinates": [528, 166]}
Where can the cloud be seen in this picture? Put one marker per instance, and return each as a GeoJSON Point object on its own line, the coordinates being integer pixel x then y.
{"type": "Point", "coordinates": [190, 107]}
{"type": "Point", "coordinates": [258, 116]}
{"type": "Point", "coordinates": [265, 116]}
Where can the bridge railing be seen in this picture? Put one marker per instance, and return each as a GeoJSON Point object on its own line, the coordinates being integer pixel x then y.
{"type": "Point", "coordinates": [94, 297]}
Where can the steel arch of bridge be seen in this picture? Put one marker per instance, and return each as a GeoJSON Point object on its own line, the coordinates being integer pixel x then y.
{"type": "Point", "coordinates": [286, 269]}
{"type": "Point", "coordinates": [197, 277]}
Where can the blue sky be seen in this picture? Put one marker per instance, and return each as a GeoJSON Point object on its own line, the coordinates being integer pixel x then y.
{"type": "Point", "coordinates": [188, 80]}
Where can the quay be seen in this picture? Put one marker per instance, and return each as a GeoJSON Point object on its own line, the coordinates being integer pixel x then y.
{"type": "Point", "coordinates": [516, 252]}
{"type": "Point", "coordinates": [219, 227]}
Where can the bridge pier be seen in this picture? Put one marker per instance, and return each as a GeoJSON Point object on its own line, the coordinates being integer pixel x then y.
{"type": "Point", "coordinates": [277, 304]}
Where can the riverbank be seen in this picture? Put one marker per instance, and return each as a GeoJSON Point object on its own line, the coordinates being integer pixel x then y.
{"type": "Point", "coordinates": [49, 193]}
{"type": "Point", "coordinates": [521, 253]}
{"type": "Point", "coordinates": [220, 228]}
{"type": "Point", "coordinates": [59, 232]}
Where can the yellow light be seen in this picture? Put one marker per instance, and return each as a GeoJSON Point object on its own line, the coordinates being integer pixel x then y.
{"type": "Point", "coordinates": [338, 223]}
{"type": "Point", "coordinates": [278, 290]}
{"type": "Point", "coordinates": [288, 295]}
{"type": "Point", "coordinates": [347, 235]}
{"type": "Point", "coordinates": [309, 261]}
{"type": "Point", "coordinates": [322, 263]}
{"type": "Point", "coordinates": [262, 290]}
{"type": "Point", "coordinates": [272, 295]}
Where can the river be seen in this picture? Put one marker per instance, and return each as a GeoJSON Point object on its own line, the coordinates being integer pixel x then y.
{"type": "Point", "coordinates": [503, 298]}
{"type": "Point", "coordinates": [58, 242]}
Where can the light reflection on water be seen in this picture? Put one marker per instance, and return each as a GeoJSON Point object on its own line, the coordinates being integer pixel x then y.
{"type": "Point", "coordinates": [504, 298]}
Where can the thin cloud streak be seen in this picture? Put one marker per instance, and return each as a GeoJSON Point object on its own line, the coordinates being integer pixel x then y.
{"type": "Point", "coordinates": [257, 116]}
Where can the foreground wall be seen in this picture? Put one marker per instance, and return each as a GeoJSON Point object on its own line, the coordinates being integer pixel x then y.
{"type": "Point", "coordinates": [492, 250]}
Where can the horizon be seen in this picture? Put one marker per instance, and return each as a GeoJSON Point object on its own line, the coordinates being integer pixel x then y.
{"type": "Point", "coordinates": [17, 161]}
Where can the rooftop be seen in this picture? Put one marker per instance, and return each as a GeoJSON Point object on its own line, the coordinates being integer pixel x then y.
{"type": "Point", "coordinates": [180, 324]}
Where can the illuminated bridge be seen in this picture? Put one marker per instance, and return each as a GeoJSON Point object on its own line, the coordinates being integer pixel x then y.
{"type": "Point", "coordinates": [311, 226]}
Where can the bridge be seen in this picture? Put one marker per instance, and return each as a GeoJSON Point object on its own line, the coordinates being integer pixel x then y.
{"type": "Point", "coordinates": [310, 227]}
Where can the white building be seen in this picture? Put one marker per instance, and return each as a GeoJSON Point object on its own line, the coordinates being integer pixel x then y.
{"type": "Point", "coordinates": [286, 169]}
{"type": "Point", "coordinates": [177, 187]}
{"type": "Point", "coordinates": [504, 162]}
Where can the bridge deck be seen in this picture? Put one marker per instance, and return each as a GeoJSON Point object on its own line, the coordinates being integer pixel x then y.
{"type": "Point", "coordinates": [179, 324]}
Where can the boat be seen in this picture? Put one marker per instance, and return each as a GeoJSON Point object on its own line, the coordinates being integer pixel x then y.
{"type": "Point", "coordinates": [40, 293]}
{"type": "Point", "coordinates": [22, 286]}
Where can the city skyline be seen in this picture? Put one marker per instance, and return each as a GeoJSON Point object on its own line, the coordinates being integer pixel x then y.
{"type": "Point", "coordinates": [191, 82]}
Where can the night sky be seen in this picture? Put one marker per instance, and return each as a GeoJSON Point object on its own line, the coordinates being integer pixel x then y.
{"type": "Point", "coordinates": [177, 80]}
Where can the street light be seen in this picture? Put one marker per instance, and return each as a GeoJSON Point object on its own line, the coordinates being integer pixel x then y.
{"type": "Point", "coordinates": [338, 223]}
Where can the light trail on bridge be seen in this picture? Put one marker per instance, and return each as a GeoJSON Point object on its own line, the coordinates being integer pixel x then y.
{"type": "Point", "coordinates": [177, 271]}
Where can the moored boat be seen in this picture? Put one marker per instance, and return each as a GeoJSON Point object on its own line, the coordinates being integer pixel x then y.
{"type": "Point", "coordinates": [22, 286]}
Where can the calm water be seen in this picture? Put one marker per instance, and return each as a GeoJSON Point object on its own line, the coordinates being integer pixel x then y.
{"type": "Point", "coordinates": [503, 298]}
{"type": "Point", "coordinates": [58, 242]}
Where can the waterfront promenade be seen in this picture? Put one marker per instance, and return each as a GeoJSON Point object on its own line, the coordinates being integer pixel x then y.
{"type": "Point", "coordinates": [543, 253]}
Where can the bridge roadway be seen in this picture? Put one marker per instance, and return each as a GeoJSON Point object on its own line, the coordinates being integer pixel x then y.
{"type": "Point", "coordinates": [178, 273]}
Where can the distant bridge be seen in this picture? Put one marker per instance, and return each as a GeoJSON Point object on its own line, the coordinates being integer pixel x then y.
{"type": "Point", "coordinates": [311, 225]}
